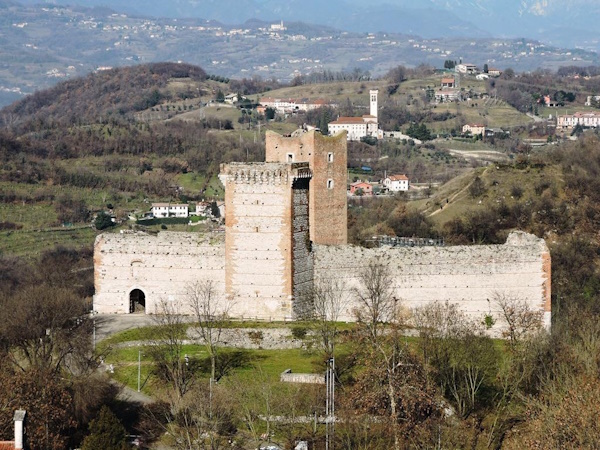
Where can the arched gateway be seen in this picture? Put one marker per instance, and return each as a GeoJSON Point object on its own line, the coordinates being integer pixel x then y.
{"type": "Point", "coordinates": [137, 301]}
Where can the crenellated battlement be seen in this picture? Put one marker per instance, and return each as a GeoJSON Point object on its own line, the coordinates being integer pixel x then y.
{"type": "Point", "coordinates": [264, 173]}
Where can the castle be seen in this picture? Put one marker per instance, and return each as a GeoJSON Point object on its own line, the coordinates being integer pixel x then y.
{"type": "Point", "coordinates": [285, 226]}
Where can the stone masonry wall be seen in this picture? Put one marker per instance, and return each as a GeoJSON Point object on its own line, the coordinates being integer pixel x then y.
{"type": "Point", "coordinates": [327, 158]}
{"type": "Point", "coordinates": [259, 221]}
{"type": "Point", "coordinates": [161, 266]}
{"type": "Point", "coordinates": [467, 275]}
{"type": "Point", "coordinates": [301, 249]}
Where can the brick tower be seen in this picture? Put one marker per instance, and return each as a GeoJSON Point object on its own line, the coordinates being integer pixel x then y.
{"type": "Point", "coordinates": [327, 157]}
{"type": "Point", "coordinates": [268, 260]}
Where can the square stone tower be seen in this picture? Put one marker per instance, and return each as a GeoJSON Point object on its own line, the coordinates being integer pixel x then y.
{"type": "Point", "coordinates": [327, 157]}
{"type": "Point", "coordinates": [268, 258]}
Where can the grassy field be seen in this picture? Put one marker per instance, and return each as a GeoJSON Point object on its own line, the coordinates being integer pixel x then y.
{"type": "Point", "coordinates": [500, 181]}
{"type": "Point", "coordinates": [33, 243]}
{"type": "Point", "coordinates": [194, 182]}
{"type": "Point", "coordinates": [124, 358]}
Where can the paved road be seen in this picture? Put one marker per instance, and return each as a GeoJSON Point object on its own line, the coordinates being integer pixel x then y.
{"type": "Point", "coordinates": [109, 324]}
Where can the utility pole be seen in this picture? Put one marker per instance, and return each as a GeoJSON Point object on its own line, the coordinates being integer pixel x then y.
{"type": "Point", "coordinates": [330, 404]}
{"type": "Point", "coordinates": [139, 369]}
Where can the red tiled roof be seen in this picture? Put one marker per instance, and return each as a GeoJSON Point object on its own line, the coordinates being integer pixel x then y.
{"type": "Point", "coordinates": [398, 177]}
{"type": "Point", "coordinates": [447, 80]}
{"type": "Point", "coordinates": [7, 445]}
{"type": "Point", "coordinates": [351, 120]}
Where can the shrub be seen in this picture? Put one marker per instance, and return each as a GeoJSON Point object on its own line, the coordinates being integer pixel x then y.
{"type": "Point", "coordinates": [299, 332]}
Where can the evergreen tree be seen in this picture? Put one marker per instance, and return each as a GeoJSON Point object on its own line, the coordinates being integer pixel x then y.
{"type": "Point", "coordinates": [106, 432]}
{"type": "Point", "coordinates": [103, 221]}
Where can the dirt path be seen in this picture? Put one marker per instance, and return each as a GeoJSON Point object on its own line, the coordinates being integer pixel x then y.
{"type": "Point", "coordinates": [486, 155]}
{"type": "Point", "coordinates": [452, 198]}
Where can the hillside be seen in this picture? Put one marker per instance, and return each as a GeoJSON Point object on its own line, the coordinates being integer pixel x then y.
{"type": "Point", "coordinates": [96, 145]}
{"type": "Point", "coordinates": [115, 92]}
{"type": "Point", "coordinates": [46, 45]}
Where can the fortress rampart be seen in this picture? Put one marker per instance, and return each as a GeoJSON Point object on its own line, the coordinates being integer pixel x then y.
{"type": "Point", "coordinates": [470, 276]}
{"type": "Point", "coordinates": [285, 226]}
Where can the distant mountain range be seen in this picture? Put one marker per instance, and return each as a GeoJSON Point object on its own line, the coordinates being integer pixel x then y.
{"type": "Point", "coordinates": [564, 23]}
{"type": "Point", "coordinates": [47, 43]}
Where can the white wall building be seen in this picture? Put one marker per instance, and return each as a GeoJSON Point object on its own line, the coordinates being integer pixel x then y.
{"type": "Point", "coordinates": [169, 209]}
{"type": "Point", "coordinates": [396, 183]}
{"type": "Point", "coordinates": [447, 95]}
{"type": "Point", "coordinates": [359, 127]}
{"type": "Point", "coordinates": [466, 68]}
{"type": "Point", "coordinates": [289, 105]}
{"type": "Point", "coordinates": [474, 129]}
{"type": "Point", "coordinates": [585, 119]}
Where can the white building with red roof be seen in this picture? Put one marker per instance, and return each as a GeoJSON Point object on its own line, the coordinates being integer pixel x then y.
{"type": "Point", "coordinates": [585, 119]}
{"type": "Point", "coordinates": [359, 127]}
{"type": "Point", "coordinates": [397, 183]}
{"type": "Point", "coordinates": [290, 105]}
{"type": "Point", "coordinates": [474, 129]}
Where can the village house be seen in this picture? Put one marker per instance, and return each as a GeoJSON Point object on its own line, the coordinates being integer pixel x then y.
{"type": "Point", "coordinates": [494, 72]}
{"type": "Point", "coordinates": [447, 95]}
{"type": "Point", "coordinates": [361, 188]}
{"type": "Point", "coordinates": [585, 119]}
{"type": "Point", "coordinates": [170, 210]}
{"type": "Point", "coordinates": [549, 103]}
{"type": "Point", "coordinates": [359, 127]}
{"type": "Point", "coordinates": [232, 98]}
{"type": "Point", "coordinates": [448, 82]}
{"type": "Point", "coordinates": [466, 68]}
{"type": "Point", "coordinates": [397, 183]}
{"type": "Point", "coordinates": [474, 129]}
{"type": "Point", "coordinates": [592, 98]}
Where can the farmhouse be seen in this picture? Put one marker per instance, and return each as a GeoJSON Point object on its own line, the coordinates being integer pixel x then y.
{"type": "Point", "coordinates": [474, 129]}
{"type": "Point", "coordinates": [361, 188]}
{"type": "Point", "coordinates": [466, 68]}
{"type": "Point", "coordinates": [448, 82]}
{"type": "Point", "coordinates": [285, 230]}
{"type": "Point", "coordinates": [290, 105]}
{"type": "Point", "coordinates": [169, 209]}
{"type": "Point", "coordinates": [396, 183]}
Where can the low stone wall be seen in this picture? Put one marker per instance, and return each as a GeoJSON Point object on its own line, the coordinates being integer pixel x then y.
{"type": "Point", "coordinates": [255, 338]}
{"type": "Point", "coordinates": [306, 378]}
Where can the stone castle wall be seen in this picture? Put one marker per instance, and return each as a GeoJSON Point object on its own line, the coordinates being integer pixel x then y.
{"type": "Point", "coordinates": [266, 221]}
{"type": "Point", "coordinates": [162, 266]}
{"type": "Point", "coordinates": [286, 225]}
{"type": "Point", "coordinates": [470, 276]}
{"type": "Point", "coordinates": [327, 159]}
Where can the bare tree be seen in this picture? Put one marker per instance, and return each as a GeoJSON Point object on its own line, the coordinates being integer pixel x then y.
{"type": "Point", "coordinates": [329, 300]}
{"type": "Point", "coordinates": [46, 328]}
{"type": "Point", "coordinates": [212, 314]}
{"type": "Point", "coordinates": [167, 348]}
{"type": "Point", "coordinates": [462, 357]}
{"type": "Point", "coordinates": [521, 319]}
{"type": "Point", "coordinates": [375, 298]}
{"type": "Point", "coordinates": [378, 316]}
